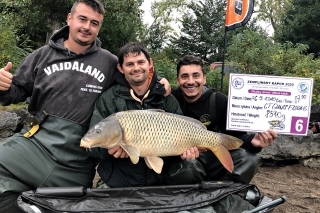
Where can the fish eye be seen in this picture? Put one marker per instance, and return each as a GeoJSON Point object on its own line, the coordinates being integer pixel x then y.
{"type": "Point", "coordinates": [98, 131]}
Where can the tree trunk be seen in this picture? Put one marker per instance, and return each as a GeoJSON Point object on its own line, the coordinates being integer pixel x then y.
{"type": "Point", "coordinates": [55, 25]}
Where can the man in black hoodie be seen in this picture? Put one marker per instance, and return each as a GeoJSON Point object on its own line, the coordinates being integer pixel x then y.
{"type": "Point", "coordinates": [136, 89]}
{"type": "Point", "coordinates": [194, 97]}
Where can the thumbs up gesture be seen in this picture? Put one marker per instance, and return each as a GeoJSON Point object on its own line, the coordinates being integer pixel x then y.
{"type": "Point", "coordinates": [5, 77]}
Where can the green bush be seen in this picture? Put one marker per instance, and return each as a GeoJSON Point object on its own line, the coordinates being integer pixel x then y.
{"type": "Point", "coordinates": [257, 54]}
{"type": "Point", "coordinates": [310, 68]}
{"type": "Point", "coordinates": [9, 51]}
{"type": "Point", "coordinates": [166, 69]}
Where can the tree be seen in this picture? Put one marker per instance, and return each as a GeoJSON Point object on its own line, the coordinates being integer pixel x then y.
{"type": "Point", "coordinates": [164, 15]}
{"type": "Point", "coordinates": [37, 20]}
{"type": "Point", "coordinates": [10, 49]}
{"type": "Point", "coordinates": [202, 30]}
{"type": "Point", "coordinates": [257, 54]}
{"type": "Point", "coordinates": [271, 11]}
{"type": "Point", "coordinates": [300, 24]}
{"type": "Point", "coordinates": [122, 23]}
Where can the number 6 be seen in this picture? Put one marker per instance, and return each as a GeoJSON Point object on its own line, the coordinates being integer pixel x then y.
{"type": "Point", "coordinates": [299, 126]}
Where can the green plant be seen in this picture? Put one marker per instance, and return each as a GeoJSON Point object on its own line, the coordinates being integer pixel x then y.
{"type": "Point", "coordinates": [166, 69]}
{"type": "Point", "coordinates": [256, 54]}
{"type": "Point", "coordinates": [9, 49]}
{"type": "Point", "coordinates": [13, 106]}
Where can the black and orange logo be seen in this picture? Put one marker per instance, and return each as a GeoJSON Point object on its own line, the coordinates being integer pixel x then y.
{"type": "Point", "coordinates": [238, 13]}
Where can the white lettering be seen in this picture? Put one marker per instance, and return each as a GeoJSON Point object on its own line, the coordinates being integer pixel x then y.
{"type": "Point", "coordinates": [75, 66]}
{"type": "Point", "coordinates": [67, 65]}
{"type": "Point", "coordinates": [88, 70]}
{"type": "Point", "coordinates": [101, 77]}
{"type": "Point", "coordinates": [47, 70]}
{"type": "Point", "coordinates": [95, 73]}
{"type": "Point", "coordinates": [55, 68]}
{"type": "Point", "coordinates": [81, 67]}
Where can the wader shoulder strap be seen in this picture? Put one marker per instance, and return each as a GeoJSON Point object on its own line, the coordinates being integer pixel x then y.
{"type": "Point", "coordinates": [212, 110]}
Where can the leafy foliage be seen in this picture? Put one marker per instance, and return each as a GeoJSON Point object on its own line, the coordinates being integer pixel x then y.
{"type": "Point", "coordinates": [122, 23]}
{"type": "Point", "coordinates": [300, 24]}
{"type": "Point", "coordinates": [165, 15]}
{"type": "Point", "coordinates": [27, 24]}
{"type": "Point", "coordinates": [255, 54]}
{"type": "Point", "coordinates": [309, 68]}
{"type": "Point", "coordinates": [9, 49]}
{"type": "Point", "coordinates": [246, 47]}
{"type": "Point", "coordinates": [271, 11]}
{"type": "Point", "coordinates": [38, 20]}
{"type": "Point", "coordinates": [202, 30]}
{"type": "Point", "coordinates": [166, 69]}
{"type": "Point", "coordinates": [35, 20]}
{"type": "Point", "coordinates": [259, 55]}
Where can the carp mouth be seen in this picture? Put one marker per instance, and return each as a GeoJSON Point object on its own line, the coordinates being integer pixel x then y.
{"type": "Point", "coordinates": [85, 144]}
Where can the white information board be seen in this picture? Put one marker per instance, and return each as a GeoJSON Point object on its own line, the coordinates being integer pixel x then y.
{"type": "Point", "coordinates": [257, 103]}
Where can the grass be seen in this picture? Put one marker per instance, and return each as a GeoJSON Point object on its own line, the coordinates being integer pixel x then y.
{"type": "Point", "coordinates": [13, 106]}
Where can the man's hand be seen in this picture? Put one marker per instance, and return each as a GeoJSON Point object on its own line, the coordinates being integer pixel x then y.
{"type": "Point", "coordinates": [5, 77]}
{"type": "Point", "coordinates": [167, 86]}
{"type": "Point", "coordinates": [190, 154]}
{"type": "Point", "coordinates": [264, 139]}
{"type": "Point", "coordinates": [118, 152]}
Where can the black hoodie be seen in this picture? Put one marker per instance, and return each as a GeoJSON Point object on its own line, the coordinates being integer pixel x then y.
{"type": "Point", "coordinates": [61, 82]}
{"type": "Point", "coordinates": [200, 110]}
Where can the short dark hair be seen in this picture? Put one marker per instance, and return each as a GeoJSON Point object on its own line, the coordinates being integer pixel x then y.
{"type": "Point", "coordinates": [132, 47]}
{"type": "Point", "coordinates": [189, 60]}
{"type": "Point", "coordinates": [96, 5]}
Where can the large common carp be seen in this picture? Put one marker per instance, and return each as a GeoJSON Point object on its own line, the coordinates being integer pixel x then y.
{"type": "Point", "coordinates": [155, 133]}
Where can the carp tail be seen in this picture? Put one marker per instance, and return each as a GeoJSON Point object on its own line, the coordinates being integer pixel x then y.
{"type": "Point", "coordinates": [221, 151]}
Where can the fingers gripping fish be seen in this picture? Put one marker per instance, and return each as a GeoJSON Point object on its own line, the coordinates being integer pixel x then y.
{"type": "Point", "coordinates": [152, 134]}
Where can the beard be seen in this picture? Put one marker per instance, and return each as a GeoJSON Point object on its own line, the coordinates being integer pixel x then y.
{"type": "Point", "coordinates": [138, 80]}
{"type": "Point", "coordinates": [191, 92]}
{"type": "Point", "coordinates": [193, 88]}
{"type": "Point", "coordinates": [87, 41]}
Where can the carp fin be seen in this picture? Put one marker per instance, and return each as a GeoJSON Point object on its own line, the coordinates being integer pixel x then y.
{"type": "Point", "coordinates": [224, 157]}
{"type": "Point", "coordinates": [195, 121]}
{"type": "Point", "coordinates": [156, 110]}
{"type": "Point", "coordinates": [154, 163]}
{"type": "Point", "coordinates": [181, 116]}
{"type": "Point", "coordinates": [132, 151]}
{"type": "Point", "coordinates": [221, 152]}
{"type": "Point", "coordinates": [202, 149]}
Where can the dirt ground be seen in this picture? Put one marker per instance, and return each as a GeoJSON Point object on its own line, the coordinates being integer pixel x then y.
{"type": "Point", "coordinates": [300, 184]}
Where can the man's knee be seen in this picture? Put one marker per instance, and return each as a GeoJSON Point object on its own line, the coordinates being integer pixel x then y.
{"type": "Point", "coordinates": [245, 165]}
{"type": "Point", "coordinates": [245, 159]}
{"type": "Point", "coordinates": [185, 172]}
{"type": "Point", "coordinates": [7, 197]}
{"type": "Point", "coordinates": [8, 203]}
